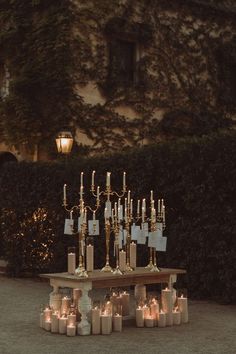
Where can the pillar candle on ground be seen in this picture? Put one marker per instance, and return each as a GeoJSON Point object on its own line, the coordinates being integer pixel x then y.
{"type": "Point", "coordinates": [47, 325]}
{"type": "Point", "coordinates": [106, 323]}
{"type": "Point", "coordinates": [71, 330]}
{"type": "Point", "coordinates": [133, 254]}
{"type": "Point", "coordinates": [149, 321]}
{"type": "Point", "coordinates": [96, 321]}
{"type": "Point", "coordinates": [183, 308]}
{"type": "Point", "coordinates": [117, 323]}
{"type": "Point", "coordinates": [41, 320]}
{"type": "Point", "coordinates": [125, 303]}
{"type": "Point", "coordinates": [139, 316]}
{"type": "Point", "coordinates": [63, 325]}
{"type": "Point", "coordinates": [55, 301]}
{"type": "Point", "coordinates": [122, 260]}
{"type": "Point", "coordinates": [71, 320]}
{"type": "Point", "coordinates": [47, 314]}
{"type": "Point", "coordinates": [154, 310]}
{"type": "Point", "coordinates": [161, 319]}
{"type": "Point", "coordinates": [65, 305]}
{"type": "Point", "coordinates": [71, 263]}
{"type": "Point", "coordinates": [55, 323]}
{"type": "Point", "coordinates": [167, 305]}
{"type": "Point", "coordinates": [176, 317]}
{"type": "Point", "coordinates": [90, 258]}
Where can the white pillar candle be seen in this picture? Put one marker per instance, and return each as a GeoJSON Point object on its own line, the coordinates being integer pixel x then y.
{"type": "Point", "coordinates": [133, 254]}
{"type": "Point", "coordinates": [41, 320]}
{"type": "Point", "coordinates": [161, 319]}
{"type": "Point", "coordinates": [149, 321]}
{"type": "Point", "coordinates": [183, 308]}
{"type": "Point", "coordinates": [90, 258]}
{"type": "Point", "coordinates": [96, 321]}
{"type": "Point", "coordinates": [71, 331]}
{"type": "Point", "coordinates": [146, 311]}
{"type": "Point", "coordinates": [117, 323]}
{"type": "Point", "coordinates": [55, 301]}
{"type": "Point", "coordinates": [122, 260]}
{"type": "Point", "coordinates": [139, 317]}
{"type": "Point", "coordinates": [62, 325]}
{"type": "Point", "coordinates": [71, 263]}
{"type": "Point", "coordinates": [125, 303]}
{"type": "Point", "coordinates": [176, 317]}
{"type": "Point", "coordinates": [166, 299]}
{"type": "Point", "coordinates": [65, 305]}
{"type": "Point", "coordinates": [169, 318]}
{"type": "Point", "coordinates": [47, 314]}
{"type": "Point", "coordinates": [71, 320]}
{"type": "Point", "coordinates": [154, 310]}
{"type": "Point", "coordinates": [55, 323]}
{"type": "Point", "coordinates": [47, 325]}
{"type": "Point", "coordinates": [106, 323]}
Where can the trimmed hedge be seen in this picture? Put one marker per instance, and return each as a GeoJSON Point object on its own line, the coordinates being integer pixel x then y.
{"type": "Point", "coordinates": [195, 177]}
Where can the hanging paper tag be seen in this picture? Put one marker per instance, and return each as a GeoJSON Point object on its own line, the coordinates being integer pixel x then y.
{"type": "Point", "coordinates": [120, 237]}
{"type": "Point", "coordinates": [93, 227]}
{"type": "Point", "coordinates": [69, 225]}
{"type": "Point", "coordinates": [145, 228]}
{"type": "Point", "coordinates": [161, 244]}
{"type": "Point", "coordinates": [152, 239]}
{"type": "Point", "coordinates": [108, 207]}
{"type": "Point", "coordinates": [159, 227]}
{"type": "Point", "coordinates": [141, 238]}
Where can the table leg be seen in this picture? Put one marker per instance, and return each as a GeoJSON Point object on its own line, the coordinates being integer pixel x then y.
{"type": "Point", "coordinates": [84, 305]}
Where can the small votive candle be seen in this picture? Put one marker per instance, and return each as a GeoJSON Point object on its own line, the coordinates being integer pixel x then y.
{"type": "Point", "coordinates": [55, 323]}
{"type": "Point", "coordinates": [71, 331]}
{"type": "Point", "coordinates": [149, 321]}
{"type": "Point", "coordinates": [139, 316]}
{"type": "Point", "coordinates": [176, 317]}
{"type": "Point", "coordinates": [71, 319]}
{"type": "Point", "coordinates": [183, 308]}
{"type": "Point", "coordinates": [117, 323]}
{"type": "Point", "coordinates": [62, 325]}
{"type": "Point", "coordinates": [161, 319]}
{"type": "Point", "coordinates": [47, 314]}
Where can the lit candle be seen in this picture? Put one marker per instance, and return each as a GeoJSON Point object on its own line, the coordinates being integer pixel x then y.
{"type": "Point", "coordinates": [81, 179]}
{"type": "Point", "coordinates": [128, 197]}
{"type": "Point", "coordinates": [81, 192]}
{"type": "Point", "coordinates": [117, 323]}
{"type": "Point", "coordinates": [62, 325]}
{"type": "Point", "coordinates": [139, 317]}
{"type": "Point", "coordinates": [71, 214]}
{"type": "Point", "coordinates": [41, 320]}
{"type": "Point", "coordinates": [176, 317]}
{"type": "Point", "coordinates": [112, 216]}
{"type": "Point", "coordinates": [93, 174]}
{"type": "Point", "coordinates": [149, 321]}
{"type": "Point", "coordinates": [151, 198]}
{"type": "Point", "coordinates": [115, 210]}
{"type": "Point", "coordinates": [71, 319]}
{"type": "Point", "coordinates": [98, 193]}
{"type": "Point", "coordinates": [65, 304]}
{"type": "Point", "coordinates": [125, 303]}
{"type": "Point", "coordinates": [133, 254]}
{"type": "Point", "coordinates": [159, 206]}
{"type": "Point", "coordinates": [105, 213]}
{"type": "Point", "coordinates": [90, 258]}
{"type": "Point", "coordinates": [146, 311]}
{"type": "Point", "coordinates": [94, 216]}
{"type": "Point", "coordinates": [161, 319]}
{"type": "Point", "coordinates": [144, 205]}
{"type": "Point", "coordinates": [163, 214]}
{"type": "Point", "coordinates": [55, 323]}
{"type": "Point", "coordinates": [124, 180]}
{"type": "Point", "coordinates": [71, 330]}
{"type": "Point", "coordinates": [167, 305]}
{"type": "Point", "coordinates": [108, 180]}
{"type": "Point", "coordinates": [131, 207]}
{"type": "Point", "coordinates": [47, 314]}
{"type": "Point", "coordinates": [106, 323]}
{"type": "Point", "coordinates": [122, 260]}
{"type": "Point", "coordinates": [96, 322]}
{"type": "Point", "coordinates": [47, 325]}
{"type": "Point", "coordinates": [154, 310]}
{"type": "Point", "coordinates": [143, 214]}
{"type": "Point", "coordinates": [183, 308]}
{"type": "Point", "coordinates": [138, 208]}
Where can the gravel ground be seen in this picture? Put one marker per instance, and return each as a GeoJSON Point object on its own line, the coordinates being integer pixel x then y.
{"type": "Point", "coordinates": [212, 328]}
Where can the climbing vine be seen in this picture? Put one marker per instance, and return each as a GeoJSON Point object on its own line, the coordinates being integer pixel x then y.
{"type": "Point", "coordinates": [55, 49]}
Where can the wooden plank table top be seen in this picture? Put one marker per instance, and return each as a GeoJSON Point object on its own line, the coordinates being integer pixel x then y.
{"type": "Point", "coordinates": [106, 279]}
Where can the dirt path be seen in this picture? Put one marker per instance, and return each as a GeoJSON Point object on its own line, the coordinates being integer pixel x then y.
{"type": "Point", "coordinates": [212, 329]}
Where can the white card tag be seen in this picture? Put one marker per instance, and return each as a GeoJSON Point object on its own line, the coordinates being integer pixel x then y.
{"type": "Point", "coordinates": [145, 228]}
{"type": "Point", "coordinates": [120, 213]}
{"type": "Point", "coordinates": [120, 238]}
{"type": "Point", "coordinates": [159, 227]}
{"type": "Point", "coordinates": [141, 238]}
{"type": "Point", "coordinates": [161, 244]}
{"type": "Point", "coordinates": [93, 227]}
{"type": "Point", "coordinates": [108, 206]}
{"type": "Point", "coordinates": [133, 232]}
{"type": "Point", "coordinates": [124, 237]}
{"type": "Point", "coordinates": [69, 225]}
{"type": "Point", "coordinates": [152, 239]}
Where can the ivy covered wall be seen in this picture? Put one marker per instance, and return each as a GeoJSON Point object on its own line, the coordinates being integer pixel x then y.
{"type": "Point", "coordinates": [58, 56]}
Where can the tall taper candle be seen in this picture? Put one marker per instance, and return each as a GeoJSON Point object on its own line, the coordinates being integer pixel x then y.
{"type": "Point", "coordinates": [81, 179]}
{"type": "Point", "coordinates": [124, 180]}
{"type": "Point", "coordinates": [93, 174]}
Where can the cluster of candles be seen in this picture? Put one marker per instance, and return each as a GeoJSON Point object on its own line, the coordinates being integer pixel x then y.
{"type": "Point", "coordinates": [152, 314]}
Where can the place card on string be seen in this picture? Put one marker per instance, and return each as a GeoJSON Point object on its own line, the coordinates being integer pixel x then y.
{"type": "Point", "coordinates": [141, 237]}
{"type": "Point", "coordinates": [159, 228]}
{"type": "Point", "coordinates": [108, 207]}
{"type": "Point", "coordinates": [161, 244]}
{"type": "Point", "coordinates": [93, 227]}
{"type": "Point", "coordinates": [69, 225]}
{"type": "Point", "coordinates": [134, 233]}
{"type": "Point", "coordinates": [152, 239]}
{"type": "Point", "coordinates": [144, 228]}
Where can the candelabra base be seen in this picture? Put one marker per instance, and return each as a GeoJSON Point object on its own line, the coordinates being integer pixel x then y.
{"type": "Point", "coordinates": [150, 265]}
{"type": "Point", "coordinates": [81, 272]}
{"type": "Point", "coordinates": [107, 268]}
{"type": "Point", "coordinates": [155, 268]}
{"type": "Point", "coordinates": [117, 271]}
{"type": "Point", "coordinates": [128, 268]}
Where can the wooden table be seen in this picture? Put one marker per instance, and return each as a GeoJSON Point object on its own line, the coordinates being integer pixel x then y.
{"type": "Point", "coordinates": [98, 279]}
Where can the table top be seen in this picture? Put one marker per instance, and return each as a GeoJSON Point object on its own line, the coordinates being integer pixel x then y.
{"type": "Point", "coordinates": [107, 279]}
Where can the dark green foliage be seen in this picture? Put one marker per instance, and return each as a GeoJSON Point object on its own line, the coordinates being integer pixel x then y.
{"type": "Point", "coordinates": [195, 177]}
